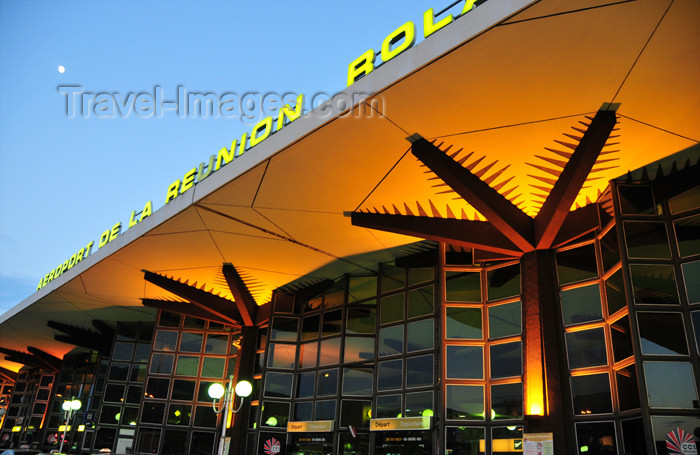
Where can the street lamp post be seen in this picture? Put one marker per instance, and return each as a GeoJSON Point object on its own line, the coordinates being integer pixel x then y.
{"type": "Point", "coordinates": [243, 389]}
{"type": "Point", "coordinates": [68, 406]}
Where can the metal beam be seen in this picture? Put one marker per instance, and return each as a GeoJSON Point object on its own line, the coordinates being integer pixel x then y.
{"type": "Point", "coordinates": [466, 233]}
{"type": "Point", "coordinates": [7, 375]}
{"type": "Point", "coordinates": [221, 307]}
{"type": "Point", "coordinates": [27, 359]}
{"type": "Point", "coordinates": [79, 336]}
{"type": "Point", "coordinates": [186, 308]}
{"type": "Point", "coordinates": [577, 224]}
{"type": "Point", "coordinates": [556, 207]}
{"type": "Point", "coordinates": [241, 295]}
{"type": "Point", "coordinates": [50, 360]}
{"type": "Point", "coordinates": [499, 211]}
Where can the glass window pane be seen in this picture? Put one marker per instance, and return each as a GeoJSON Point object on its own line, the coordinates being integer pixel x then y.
{"type": "Point", "coordinates": [420, 275]}
{"type": "Point", "coordinates": [361, 288]}
{"type": "Point", "coordinates": [183, 390]}
{"type": "Point", "coordinates": [392, 308]}
{"type": "Point", "coordinates": [213, 367]}
{"type": "Point", "coordinates": [610, 249]}
{"type": "Point", "coordinates": [662, 333]}
{"type": "Point", "coordinates": [581, 305]}
{"type": "Point", "coordinates": [577, 264]}
{"type": "Point", "coordinates": [421, 302]}
{"type": "Point", "coordinates": [358, 349]}
{"type": "Point", "coordinates": [122, 351]}
{"type": "Point", "coordinates": [420, 335]}
{"type": "Point", "coordinates": [464, 402]}
{"type": "Point", "coordinates": [158, 388]}
{"type": "Point", "coordinates": [647, 240]}
{"type": "Point", "coordinates": [216, 344]}
{"type": "Point", "coordinates": [193, 323]}
{"type": "Point", "coordinates": [309, 327]}
{"type": "Point", "coordinates": [463, 323]}
{"type": "Point", "coordinates": [328, 382]}
{"type": "Point", "coordinates": [284, 329]}
{"type": "Point", "coordinates": [330, 352]}
{"type": "Point", "coordinates": [420, 371]}
{"type": "Point", "coordinates": [204, 416]}
{"type": "Point", "coordinates": [591, 394]}
{"type": "Point", "coordinates": [654, 284]}
{"type": "Point", "coordinates": [503, 282]}
{"type": "Point", "coordinates": [419, 404]}
{"type": "Point", "coordinates": [464, 362]}
{"type": "Point", "coordinates": [621, 339]}
{"type": "Point", "coordinates": [148, 440]}
{"type": "Point", "coordinates": [281, 356]}
{"type": "Point", "coordinates": [152, 412]}
{"type": "Point", "coordinates": [615, 292]}
{"type": "Point", "coordinates": [169, 319]}
{"type": "Point", "coordinates": [506, 360]}
{"type": "Point", "coordinates": [187, 365]}
{"type": "Point", "coordinates": [308, 353]}
{"type": "Point", "coordinates": [358, 381]}
{"type": "Point", "coordinates": [691, 275]}
{"type": "Point", "coordinates": [627, 390]}
{"type": "Point", "coordinates": [165, 341]}
{"type": "Point", "coordinates": [306, 384]}
{"type": "Point", "coordinates": [360, 320]}
{"type": "Point", "coordinates": [688, 235]}
{"type": "Point", "coordinates": [388, 406]}
{"type": "Point", "coordinates": [586, 348]}
{"type": "Point", "coordinates": [390, 375]}
{"type": "Point", "coordinates": [463, 286]}
{"type": "Point", "coordinates": [275, 414]}
{"type": "Point", "coordinates": [662, 426]}
{"type": "Point", "coordinates": [633, 436]}
{"type": "Point", "coordinates": [393, 278]}
{"type": "Point", "coordinates": [685, 201]}
{"type": "Point", "coordinates": [463, 440]}
{"type": "Point", "coordinates": [696, 325]}
{"type": "Point", "coordinates": [507, 401]}
{"type": "Point", "coordinates": [179, 414]}
{"type": "Point", "coordinates": [596, 437]}
{"type": "Point", "coordinates": [114, 393]}
{"type": "Point", "coordinates": [191, 342]}
{"type": "Point", "coordinates": [506, 437]}
{"type": "Point", "coordinates": [505, 320]}
{"type": "Point", "coordinates": [391, 340]}
{"type": "Point", "coordinates": [303, 411]}
{"type": "Point", "coordinates": [356, 413]}
{"type": "Point", "coordinates": [682, 394]}
{"type": "Point", "coordinates": [636, 200]}
{"type": "Point", "coordinates": [278, 385]}
{"type": "Point", "coordinates": [161, 364]}
{"type": "Point", "coordinates": [332, 323]}
{"type": "Point", "coordinates": [325, 410]}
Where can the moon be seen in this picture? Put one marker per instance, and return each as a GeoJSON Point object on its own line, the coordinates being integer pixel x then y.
{"type": "Point", "coordinates": [61, 69]}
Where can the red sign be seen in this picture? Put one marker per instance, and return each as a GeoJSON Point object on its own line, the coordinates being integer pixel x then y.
{"type": "Point", "coordinates": [679, 442]}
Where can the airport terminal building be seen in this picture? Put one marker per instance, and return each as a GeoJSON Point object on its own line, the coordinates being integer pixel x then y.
{"type": "Point", "coordinates": [495, 246]}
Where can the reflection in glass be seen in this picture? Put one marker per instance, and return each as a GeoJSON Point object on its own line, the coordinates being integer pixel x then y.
{"type": "Point", "coordinates": [392, 308]}
{"type": "Point", "coordinates": [393, 278]}
{"type": "Point", "coordinates": [654, 284]}
{"type": "Point", "coordinates": [284, 329]}
{"type": "Point", "coordinates": [417, 403]}
{"type": "Point", "coordinates": [165, 341]}
{"type": "Point", "coordinates": [390, 375]}
{"type": "Point", "coordinates": [507, 401]}
{"type": "Point", "coordinates": [278, 385]}
{"type": "Point", "coordinates": [463, 440]}
{"type": "Point", "coordinates": [596, 437]}
{"type": "Point", "coordinates": [688, 235]}
{"type": "Point", "coordinates": [213, 367]}
{"type": "Point", "coordinates": [303, 411]}
{"type": "Point", "coordinates": [682, 394]}
{"type": "Point", "coordinates": [308, 352]}
{"type": "Point", "coordinates": [360, 320]}
{"type": "Point", "coordinates": [627, 390]}
{"type": "Point", "coordinates": [420, 335]}
{"type": "Point", "coordinates": [685, 201]}
{"type": "Point", "coordinates": [586, 348]}
{"type": "Point", "coordinates": [621, 339]}
{"type": "Point", "coordinates": [361, 288]}
{"type": "Point", "coordinates": [505, 320]}
{"type": "Point", "coordinates": [503, 282]}
{"type": "Point", "coordinates": [179, 414]}
{"type": "Point", "coordinates": [325, 410]}
{"type": "Point", "coordinates": [615, 292]}
{"type": "Point", "coordinates": [610, 249]}
{"type": "Point", "coordinates": [696, 324]}
{"type": "Point", "coordinates": [421, 302]}
{"type": "Point", "coordinates": [309, 327]}
{"type": "Point", "coordinates": [358, 381]}
{"type": "Point", "coordinates": [591, 394]}
{"type": "Point", "coordinates": [191, 342]}
{"type": "Point", "coordinates": [328, 382]}
{"type": "Point", "coordinates": [463, 286]}
{"type": "Point", "coordinates": [581, 305]}
{"type": "Point", "coordinates": [464, 402]}
{"type": "Point", "coordinates": [216, 344]}
{"type": "Point", "coordinates": [506, 360]}
{"type": "Point", "coordinates": [636, 200]}
{"type": "Point", "coordinates": [306, 384]}
{"type": "Point", "coordinates": [187, 365]}
{"type": "Point", "coordinates": [420, 275]}
{"type": "Point", "coordinates": [577, 264]}
{"type": "Point", "coordinates": [464, 362]}
{"type": "Point", "coordinates": [691, 275]}
{"type": "Point", "coordinates": [356, 413]}
{"type": "Point", "coordinates": [332, 322]}
{"type": "Point", "coordinates": [463, 323]}
{"type": "Point", "coordinates": [330, 352]}
{"type": "Point", "coordinates": [662, 333]}
{"type": "Point", "coordinates": [647, 240]}
{"type": "Point", "coordinates": [391, 340]}
{"type": "Point", "coordinates": [662, 426]}
{"type": "Point", "coordinates": [281, 356]}
{"type": "Point", "coordinates": [358, 349]}
{"type": "Point", "coordinates": [275, 414]}
{"type": "Point", "coordinates": [420, 371]}
{"type": "Point", "coordinates": [388, 406]}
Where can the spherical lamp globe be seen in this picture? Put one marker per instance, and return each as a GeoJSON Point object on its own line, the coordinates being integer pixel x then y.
{"type": "Point", "coordinates": [244, 389]}
{"type": "Point", "coordinates": [216, 391]}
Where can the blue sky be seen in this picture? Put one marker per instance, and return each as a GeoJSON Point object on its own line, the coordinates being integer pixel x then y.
{"type": "Point", "coordinates": [63, 180]}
